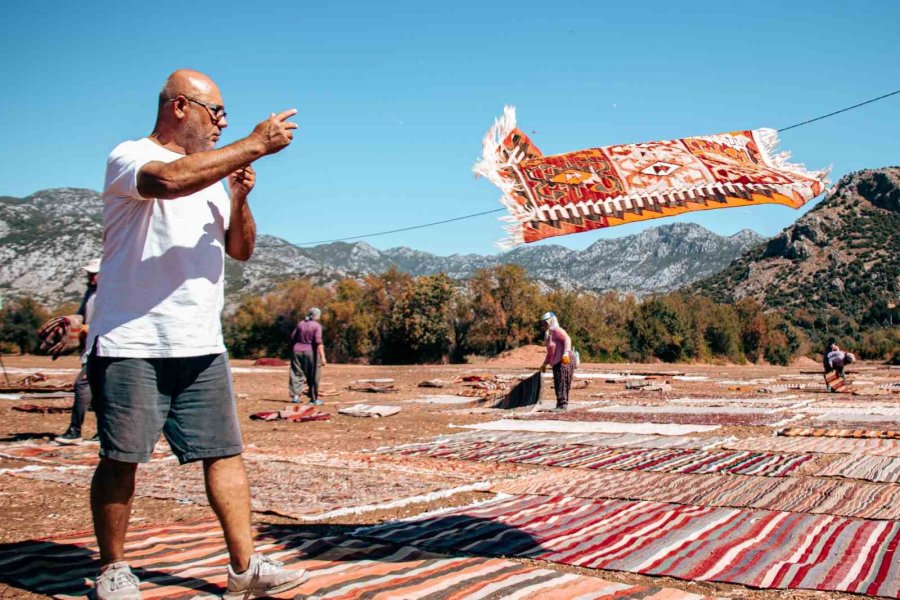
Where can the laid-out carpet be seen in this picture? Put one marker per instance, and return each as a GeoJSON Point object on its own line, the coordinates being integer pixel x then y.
{"type": "Point", "coordinates": [678, 460]}
{"type": "Point", "coordinates": [292, 489]}
{"type": "Point", "coordinates": [73, 455]}
{"type": "Point", "coordinates": [688, 418]}
{"type": "Point", "coordinates": [840, 433]}
{"type": "Point", "coordinates": [764, 549]}
{"type": "Point", "coordinates": [185, 561]}
{"type": "Point", "coordinates": [793, 494]}
{"type": "Point", "coordinates": [857, 417]}
{"type": "Point", "coordinates": [557, 426]}
{"type": "Point", "coordinates": [684, 410]}
{"type": "Point", "coordinates": [870, 468]}
{"type": "Point", "coordinates": [823, 445]}
{"type": "Point", "coordinates": [612, 440]}
{"type": "Point", "coordinates": [750, 402]}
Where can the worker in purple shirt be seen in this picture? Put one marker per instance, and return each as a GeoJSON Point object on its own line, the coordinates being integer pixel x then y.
{"type": "Point", "coordinates": [308, 356]}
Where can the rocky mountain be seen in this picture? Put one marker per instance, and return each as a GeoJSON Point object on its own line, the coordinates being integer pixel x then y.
{"type": "Point", "coordinates": [837, 267]}
{"type": "Point", "coordinates": [46, 237]}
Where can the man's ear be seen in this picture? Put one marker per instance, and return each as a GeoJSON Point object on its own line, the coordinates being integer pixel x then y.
{"type": "Point", "coordinates": [179, 107]}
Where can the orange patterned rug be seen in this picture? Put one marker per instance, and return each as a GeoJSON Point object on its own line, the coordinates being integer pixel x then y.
{"type": "Point", "coordinates": [604, 187]}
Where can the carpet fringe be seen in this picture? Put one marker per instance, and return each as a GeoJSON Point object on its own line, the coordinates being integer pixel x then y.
{"type": "Point", "coordinates": [489, 166]}
{"type": "Point", "coordinates": [768, 145]}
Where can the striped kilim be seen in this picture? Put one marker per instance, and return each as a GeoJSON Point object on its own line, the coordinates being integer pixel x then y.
{"type": "Point", "coordinates": [526, 392]}
{"type": "Point", "coordinates": [613, 440]}
{"type": "Point", "coordinates": [871, 468]}
{"type": "Point", "coordinates": [824, 445]}
{"type": "Point", "coordinates": [806, 494]}
{"type": "Point", "coordinates": [764, 549]}
{"type": "Point", "coordinates": [689, 418]}
{"type": "Point", "coordinates": [680, 460]}
{"type": "Point", "coordinates": [604, 187]}
{"type": "Point", "coordinates": [188, 561]}
{"type": "Point", "coordinates": [842, 433]}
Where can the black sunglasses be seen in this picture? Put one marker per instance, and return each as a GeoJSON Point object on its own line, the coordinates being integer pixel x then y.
{"type": "Point", "coordinates": [217, 111]}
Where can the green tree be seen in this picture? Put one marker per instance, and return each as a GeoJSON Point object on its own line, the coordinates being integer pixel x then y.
{"type": "Point", "coordinates": [20, 322]}
{"type": "Point", "coordinates": [420, 324]}
{"type": "Point", "coordinates": [503, 302]}
{"type": "Point", "coordinates": [661, 328]}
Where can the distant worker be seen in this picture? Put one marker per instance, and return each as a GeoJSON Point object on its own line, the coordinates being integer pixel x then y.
{"type": "Point", "coordinates": [308, 355]}
{"type": "Point", "coordinates": [559, 357]}
{"type": "Point", "coordinates": [830, 346]}
{"type": "Point", "coordinates": [837, 359]}
{"type": "Point", "coordinates": [82, 386]}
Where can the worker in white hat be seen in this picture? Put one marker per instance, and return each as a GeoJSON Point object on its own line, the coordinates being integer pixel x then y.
{"type": "Point", "coordinates": [559, 357]}
{"type": "Point", "coordinates": [82, 388]}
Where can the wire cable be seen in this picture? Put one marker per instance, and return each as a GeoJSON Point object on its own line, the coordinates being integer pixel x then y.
{"type": "Point", "coordinates": [837, 112]}
{"type": "Point", "coordinates": [496, 210]}
{"type": "Point", "coordinates": [368, 235]}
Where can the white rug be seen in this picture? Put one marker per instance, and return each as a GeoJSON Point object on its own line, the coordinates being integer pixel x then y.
{"type": "Point", "coordinates": [686, 410]}
{"type": "Point", "coordinates": [446, 399]}
{"type": "Point", "coordinates": [857, 417]}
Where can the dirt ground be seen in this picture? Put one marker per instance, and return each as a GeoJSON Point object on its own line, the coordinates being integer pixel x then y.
{"type": "Point", "coordinates": [33, 509]}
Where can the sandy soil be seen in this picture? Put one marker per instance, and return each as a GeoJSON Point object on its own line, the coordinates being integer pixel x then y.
{"type": "Point", "coordinates": [33, 509]}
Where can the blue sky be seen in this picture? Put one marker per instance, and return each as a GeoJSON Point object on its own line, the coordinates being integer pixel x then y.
{"type": "Point", "coordinates": [394, 98]}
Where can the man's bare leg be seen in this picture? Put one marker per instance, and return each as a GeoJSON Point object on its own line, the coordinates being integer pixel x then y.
{"type": "Point", "coordinates": [112, 492]}
{"type": "Point", "coordinates": [229, 495]}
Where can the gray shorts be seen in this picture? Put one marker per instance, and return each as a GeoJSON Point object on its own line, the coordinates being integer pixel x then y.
{"type": "Point", "coordinates": [190, 400]}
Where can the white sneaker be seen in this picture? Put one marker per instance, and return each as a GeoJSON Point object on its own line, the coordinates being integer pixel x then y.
{"type": "Point", "coordinates": [263, 577]}
{"type": "Point", "coordinates": [117, 582]}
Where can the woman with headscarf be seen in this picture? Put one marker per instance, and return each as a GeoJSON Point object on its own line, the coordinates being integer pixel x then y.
{"type": "Point", "coordinates": [559, 357]}
{"type": "Point", "coordinates": [309, 353]}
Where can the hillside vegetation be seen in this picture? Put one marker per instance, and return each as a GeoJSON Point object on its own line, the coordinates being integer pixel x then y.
{"type": "Point", "coordinates": [836, 271]}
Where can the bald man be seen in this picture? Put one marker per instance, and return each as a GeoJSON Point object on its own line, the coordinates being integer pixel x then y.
{"type": "Point", "coordinates": [157, 361]}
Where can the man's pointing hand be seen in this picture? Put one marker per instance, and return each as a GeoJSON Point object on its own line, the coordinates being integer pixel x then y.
{"type": "Point", "coordinates": [276, 132]}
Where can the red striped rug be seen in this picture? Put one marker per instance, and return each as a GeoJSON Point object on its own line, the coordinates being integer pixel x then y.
{"type": "Point", "coordinates": [793, 494]}
{"type": "Point", "coordinates": [884, 469]}
{"type": "Point", "coordinates": [188, 561]}
{"type": "Point", "coordinates": [762, 549]}
{"type": "Point", "coordinates": [749, 419]}
{"type": "Point", "coordinates": [677, 460]}
{"type": "Point", "coordinates": [823, 445]}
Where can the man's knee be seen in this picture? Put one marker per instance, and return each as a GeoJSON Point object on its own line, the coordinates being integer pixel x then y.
{"type": "Point", "coordinates": [114, 479]}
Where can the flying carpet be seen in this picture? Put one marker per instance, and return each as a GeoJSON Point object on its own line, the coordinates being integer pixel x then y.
{"type": "Point", "coordinates": [603, 187]}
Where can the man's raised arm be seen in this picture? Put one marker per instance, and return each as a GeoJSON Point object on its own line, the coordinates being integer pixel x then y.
{"type": "Point", "coordinates": [197, 171]}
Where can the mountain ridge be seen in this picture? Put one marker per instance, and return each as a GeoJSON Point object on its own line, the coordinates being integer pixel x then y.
{"type": "Point", "coordinates": [47, 236]}
{"type": "Point", "coordinates": [836, 269]}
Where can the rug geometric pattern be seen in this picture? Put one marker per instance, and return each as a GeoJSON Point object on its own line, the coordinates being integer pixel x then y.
{"type": "Point", "coordinates": [767, 549]}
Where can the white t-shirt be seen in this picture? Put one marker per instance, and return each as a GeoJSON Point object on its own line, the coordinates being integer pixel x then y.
{"type": "Point", "coordinates": [160, 291]}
